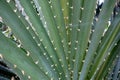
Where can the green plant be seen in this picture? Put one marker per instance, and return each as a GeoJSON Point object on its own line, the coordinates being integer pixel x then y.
{"type": "Point", "coordinates": [57, 42]}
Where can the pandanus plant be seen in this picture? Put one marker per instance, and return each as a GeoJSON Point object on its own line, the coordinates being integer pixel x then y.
{"type": "Point", "coordinates": [57, 41]}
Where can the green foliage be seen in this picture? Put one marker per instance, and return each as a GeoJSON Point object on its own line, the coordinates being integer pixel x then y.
{"type": "Point", "coordinates": [56, 39]}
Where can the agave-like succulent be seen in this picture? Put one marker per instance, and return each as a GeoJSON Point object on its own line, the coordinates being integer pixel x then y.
{"type": "Point", "coordinates": [61, 39]}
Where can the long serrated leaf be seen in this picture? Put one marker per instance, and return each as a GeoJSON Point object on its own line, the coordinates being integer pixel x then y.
{"type": "Point", "coordinates": [108, 39]}
{"type": "Point", "coordinates": [59, 19]}
{"type": "Point", "coordinates": [75, 20]}
{"type": "Point", "coordinates": [12, 53]}
{"type": "Point", "coordinates": [87, 13]}
{"type": "Point", "coordinates": [105, 68]}
{"type": "Point", "coordinates": [99, 29]}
